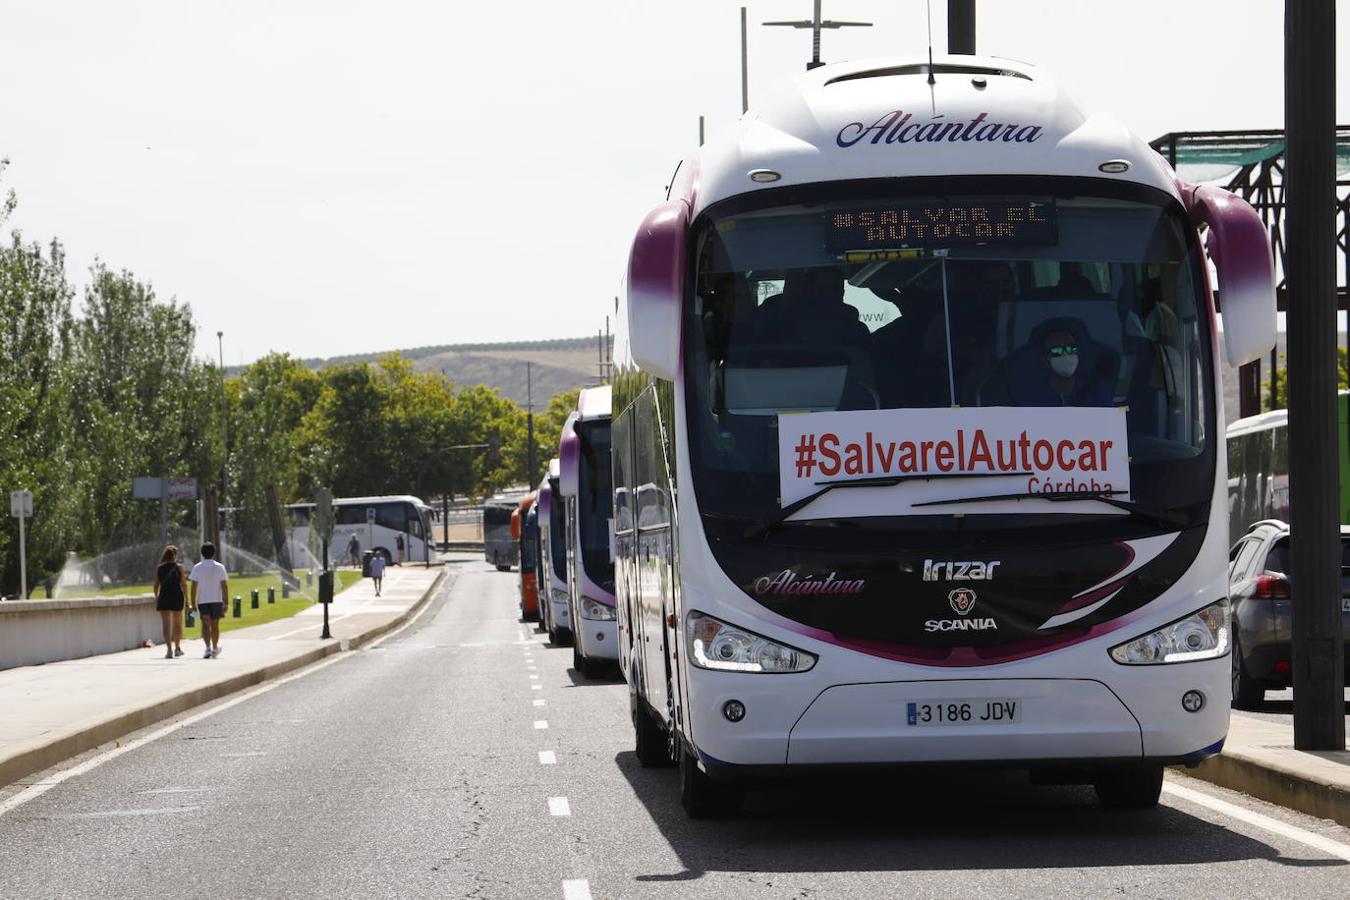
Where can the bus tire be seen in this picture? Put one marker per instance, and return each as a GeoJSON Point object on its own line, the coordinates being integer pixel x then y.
{"type": "Point", "coordinates": [1247, 691]}
{"type": "Point", "coordinates": [701, 796]}
{"type": "Point", "coordinates": [1134, 787]}
{"type": "Point", "coordinates": [503, 568]}
{"type": "Point", "coordinates": [649, 737]}
{"type": "Point", "coordinates": [579, 662]}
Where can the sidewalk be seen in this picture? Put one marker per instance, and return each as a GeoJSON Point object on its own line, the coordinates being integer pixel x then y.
{"type": "Point", "coordinates": [52, 712]}
{"type": "Point", "coordinates": [1259, 759]}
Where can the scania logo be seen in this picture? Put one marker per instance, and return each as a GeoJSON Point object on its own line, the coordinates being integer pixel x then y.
{"type": "Point", "coordinates": [962, 600]}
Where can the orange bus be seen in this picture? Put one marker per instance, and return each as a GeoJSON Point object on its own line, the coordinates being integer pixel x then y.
{"type": "Point", "coordinates": [528, 538]}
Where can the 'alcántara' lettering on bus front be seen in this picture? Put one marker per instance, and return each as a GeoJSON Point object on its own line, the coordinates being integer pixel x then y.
{"type": "Point", "coordinates": [896, 127]}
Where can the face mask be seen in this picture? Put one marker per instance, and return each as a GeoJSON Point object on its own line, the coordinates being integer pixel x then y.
{"type": "Point", "coordinates": [1064, 366]}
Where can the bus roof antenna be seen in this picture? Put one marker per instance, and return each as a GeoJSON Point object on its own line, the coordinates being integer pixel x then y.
{"type": "Point", "coordinates": [931, 80]}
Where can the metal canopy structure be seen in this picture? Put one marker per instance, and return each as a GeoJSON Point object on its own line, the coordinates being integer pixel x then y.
{"type": "Point", "coordinates": [1251, 164]}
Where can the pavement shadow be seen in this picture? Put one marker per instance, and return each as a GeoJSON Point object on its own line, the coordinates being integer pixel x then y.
{"type": "Point", "coordinates": [929, 820]}
{"type": "Point", "coordinates": [606, 677]}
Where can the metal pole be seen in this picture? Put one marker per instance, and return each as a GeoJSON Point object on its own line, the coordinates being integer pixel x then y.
{"type": "Point", "coordinates": [745, 67]}
{"type": "Point", "coordinates": [163, 513]}
{"type": "Point", "coordinates": [1310, 269]}
{"type": "Point", "coordinates": [23, 559]}
{"type": "Point", "coordinates": [225, 445]}
{"type": "Point", "coordinates": [961, 27]}
{"type": "Point", "coordinates": [700, 131]}
{"type": "Point", "coordinates": [529, 428]}
{"type": "Point", "coordinates": [815, 39]}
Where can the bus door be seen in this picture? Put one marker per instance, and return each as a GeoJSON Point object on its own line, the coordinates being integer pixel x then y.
{"type": "Point", "coordinates": [655, 556]}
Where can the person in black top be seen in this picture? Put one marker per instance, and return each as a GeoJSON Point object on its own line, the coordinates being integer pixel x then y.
{"type": "Point", "coordinates": [170, 591]}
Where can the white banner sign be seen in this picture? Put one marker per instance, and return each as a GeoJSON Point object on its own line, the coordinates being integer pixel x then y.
{"type": "Point", "coordinates": [182, 488]}
{"type": "Point", "coordinates": [953, 454]}
{"type": "Point", "coordinates": [21, 503]}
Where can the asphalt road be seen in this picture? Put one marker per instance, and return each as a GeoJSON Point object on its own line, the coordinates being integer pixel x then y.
{"type": "Point", "coordinates": [463, 758]}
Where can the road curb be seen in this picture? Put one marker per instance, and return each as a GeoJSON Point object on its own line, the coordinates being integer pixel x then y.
{"type": "Point", "coordinates": [1276, 784]}
{"type": "Point", "coordinates": [24, 764]}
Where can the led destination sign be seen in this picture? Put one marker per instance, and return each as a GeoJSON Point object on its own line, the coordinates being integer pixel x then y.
{"type": "Point", "coordinates": [960, 224]}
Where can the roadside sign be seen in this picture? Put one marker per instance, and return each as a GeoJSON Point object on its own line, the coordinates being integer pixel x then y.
{"type": "Point", "coordinates": [323, 514]}
{"type": "Point", "coordinates": [146, 488]}
{"type": "Point", "coordinates": [21, 503]}
{"type": "Point", "coordinates": [370, 514]}
{"type": "Point", "coordinates": [182, 488]}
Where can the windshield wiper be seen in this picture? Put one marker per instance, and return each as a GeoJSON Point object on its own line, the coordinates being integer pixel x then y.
{"type": "Point", "coordinates": [881, 481]}
{"type": "Point", "coordinates": [1158, 516]}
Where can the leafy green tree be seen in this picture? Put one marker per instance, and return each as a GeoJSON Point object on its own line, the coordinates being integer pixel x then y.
{"type": "Point", "coordinates": [1282, 381]}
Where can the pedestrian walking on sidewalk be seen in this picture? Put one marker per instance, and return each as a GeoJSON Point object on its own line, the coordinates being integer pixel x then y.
{"type": "Point", "coordinates": [354, 549]}
{"type": "Point", "coordinates": [398, 543]}
{"type": "Point", "coordinates": [170, 592]}
{"type": "Point", "coordinates": [377, 572]}
{"type": "Point", "coordinates": [210, 588]}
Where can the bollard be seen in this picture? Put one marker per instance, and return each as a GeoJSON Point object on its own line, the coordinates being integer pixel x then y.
{"type": "Point", "coordinates": [238, 606]}
{"type": "Point", "coordinates": [253, 599]}
{"type": "Point", "coordinates": [285, 591]}
{"type": "Point", "coordinates": [271, 595]}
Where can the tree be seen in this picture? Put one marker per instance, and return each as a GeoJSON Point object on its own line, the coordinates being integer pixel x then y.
{"type": "Point", "coordinates": [1282, 380]}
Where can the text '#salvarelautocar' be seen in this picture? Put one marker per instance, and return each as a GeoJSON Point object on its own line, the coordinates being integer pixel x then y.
{"type": "Point", "coordinates": [1019, 449]}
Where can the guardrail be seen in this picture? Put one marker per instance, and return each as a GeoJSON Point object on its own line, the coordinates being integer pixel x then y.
{"type": "Point", "coordinates": [42, 631]}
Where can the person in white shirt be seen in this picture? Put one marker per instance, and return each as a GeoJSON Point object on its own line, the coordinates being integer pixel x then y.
{"type": "Point", "coordinates": [210, 587]}
{"type": "Point", "coordinates": [377, 572]}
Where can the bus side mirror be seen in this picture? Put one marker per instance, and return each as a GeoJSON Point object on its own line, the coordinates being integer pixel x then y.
{"type": "Point", "coordinates": [656, 270]}
{"type": "Point", "coordinates": [569, 461]}
{"type": "Point", "coordinates": [1240, 249]}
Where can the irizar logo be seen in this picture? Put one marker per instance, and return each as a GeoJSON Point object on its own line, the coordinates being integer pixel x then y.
{"type": "Point", "coordinates": [960, 570]}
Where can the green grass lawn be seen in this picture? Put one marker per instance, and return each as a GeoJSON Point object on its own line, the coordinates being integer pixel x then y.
{"type": "Point", "coordinates": [242, 586]}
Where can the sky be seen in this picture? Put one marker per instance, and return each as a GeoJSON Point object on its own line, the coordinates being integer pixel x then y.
{"type": "Point", "coordinates": [324, 178]}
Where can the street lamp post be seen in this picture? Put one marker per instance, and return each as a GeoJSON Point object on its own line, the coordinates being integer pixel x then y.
{"type": "Point", "coordinates": [816, 23]}
{"type": "Point", "coordinates": [224, 438]}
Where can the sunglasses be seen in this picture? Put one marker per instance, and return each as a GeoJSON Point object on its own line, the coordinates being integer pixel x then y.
{"type": "Point", "coordinates": [1062, 350]}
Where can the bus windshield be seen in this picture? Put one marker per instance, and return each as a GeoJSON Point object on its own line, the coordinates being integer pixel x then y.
{"type": "Point", "coordinates": [1069, 294]}
{"type": "Point", "coordinates": [595, 502]}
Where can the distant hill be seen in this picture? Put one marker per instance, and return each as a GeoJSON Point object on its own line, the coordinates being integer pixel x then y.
{"type": "Point", "coordinates": [556, 365]}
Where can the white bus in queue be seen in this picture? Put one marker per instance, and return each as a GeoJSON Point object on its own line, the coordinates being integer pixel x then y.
{"type": "Point", "coordinates": [554, 614]}
{"type": "Point", "coordinates": [588, 504]}
{"type": "Point", "coordinates": [918, 439]}
{"type": "Point", "coordinates": [377, 523]}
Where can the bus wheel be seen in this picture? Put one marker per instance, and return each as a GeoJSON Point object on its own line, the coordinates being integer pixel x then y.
{"type": "Point", "coordinates": [701, 796]}
{"type": "Point", "coordinates": [1247, 691]}
{"type": "Point", "coordinates": [579, 662]}
{"type": "Point", "coordinates": [1136, 787]}
{"type": "Point", "coordinates": [502, 568]}
{"type": "Point", "coordinates": [649, 738]}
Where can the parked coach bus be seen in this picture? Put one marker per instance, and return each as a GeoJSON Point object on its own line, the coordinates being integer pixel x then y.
{"type": "Point", "coordinates": [588, 513]}
{"type": "Point", "coordinates": [1258, 467]}
{"type": "Point", "coordinates": [499, 547]}
{"type": "Point", "coordinates": [555, 617]}
{"type": "Point", "coordinates": [917, 406]}
{"type": "Point", "coordinates": [527, 538]}
{"type": "Point", "coordinates": [376, 522]}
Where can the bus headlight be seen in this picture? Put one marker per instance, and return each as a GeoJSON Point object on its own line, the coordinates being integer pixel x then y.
{"type": "Point", "coordinates": [595, 610]}
{"type": "Point", "coordinates": [714, 644]}
{"type": "Point", "coordinates": [560, 597]}
{"type": "Point", "coordinates": [1201, 635]}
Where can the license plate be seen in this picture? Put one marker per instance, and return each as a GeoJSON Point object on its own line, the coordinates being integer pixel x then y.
{"type": "Point", "coordinates": [963, 712]}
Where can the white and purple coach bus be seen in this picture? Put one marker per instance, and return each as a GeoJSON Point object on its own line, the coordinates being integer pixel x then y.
{"type": "Point", "coordinates": [554, 616]}
{"type": "Point", "coordinates": [588, 514]}
{"type": "Point", "coordinates": [918, 439]}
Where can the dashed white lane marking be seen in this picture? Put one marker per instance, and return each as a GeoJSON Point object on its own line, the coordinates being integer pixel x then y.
{"type": "Point", "coordinates": [548, 758]}
{"type": "Point", "coordinates": [1264, 822]}
{"type": "Point", "coordinates": [531, 668]}
{"type": "Point", "coordinates": [576, 889]}
{"type": "Point", "coordinates": [540, 724]}
{"type": "Point", "coordinates": [122, 813]}
{"type": "Point", "coordinates": [558, 806]}
{"type": "Point", "coordinates": [534, 677]}
{"type": "Point", "coordinates": [536, 687]}
{"type": "Point", "coordinates": [176, 791]}
{"type": "Point", "coordinates": [541, 702]}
